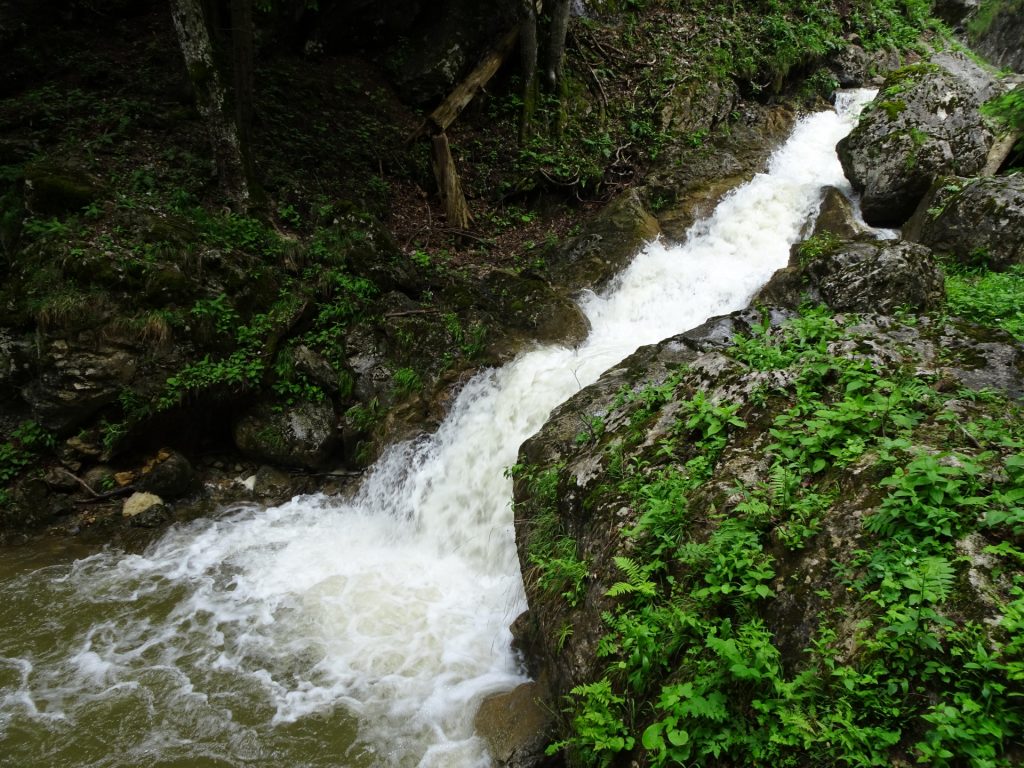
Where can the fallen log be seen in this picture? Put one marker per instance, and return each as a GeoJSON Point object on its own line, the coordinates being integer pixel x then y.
{"type": "Point", "coordinates": [449, 109]}
{"type": "Point", "coordinates": [1000, 150]}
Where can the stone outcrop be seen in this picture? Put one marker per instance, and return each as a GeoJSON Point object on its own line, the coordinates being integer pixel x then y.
{"type": "Point", "coordinates": [608, 242]}
{"type": "Point", "coordinates": [865, 275]}
{"type": "Point", "coordinates": [978, 221]}
{"type": "Point", "coordinates": [924, 123]}
{"type": "Point", "coordinates": [998, 35]}
{"type": "Point", "coordinates": [77, 380]}
{"type": "Point", "coordinates": [300, 435]}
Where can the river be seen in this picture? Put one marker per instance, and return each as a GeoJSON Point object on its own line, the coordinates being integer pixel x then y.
{"type": "Point", "coordinates": [365, 632]}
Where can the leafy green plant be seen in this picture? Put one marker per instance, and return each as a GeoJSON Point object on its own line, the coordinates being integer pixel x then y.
{"type": "Point", "coordinates": [405, 382]}
{"type": "Point", "coordinates": [992, 298]}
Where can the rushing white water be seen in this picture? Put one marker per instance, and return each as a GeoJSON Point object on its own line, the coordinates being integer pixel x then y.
{"type": "Point", "coordinates": [363, 632]}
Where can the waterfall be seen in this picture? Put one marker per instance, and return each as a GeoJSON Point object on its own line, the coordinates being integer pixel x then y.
{"type": "Point", "coordinates": [363, 632]}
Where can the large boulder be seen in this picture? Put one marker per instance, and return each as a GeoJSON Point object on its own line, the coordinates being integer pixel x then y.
{"type": "Point", "coordinates": [611, 522]}
{"type": "Point", "coordinates": [168, 475]}
{"type": "Point", "coordinates": [864, 275]}
{"type": "Point", "coordinates": [299, 435]}
{"type": "Point", "coordinates": [978, 221]}
{"type": "Point", "coordinates": [924, 123]}
{"type": "Point", "coordinates": [836, 216]}
{"type": "Point", "coordinates": [517, 726]}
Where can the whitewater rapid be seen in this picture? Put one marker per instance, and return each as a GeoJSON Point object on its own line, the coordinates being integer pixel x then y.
{"type": "Point", "coordinates": [365, 632]}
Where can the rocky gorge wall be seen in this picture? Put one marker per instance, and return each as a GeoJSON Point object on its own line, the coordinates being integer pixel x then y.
{"type": "Point", "coordinates": [782, 531]}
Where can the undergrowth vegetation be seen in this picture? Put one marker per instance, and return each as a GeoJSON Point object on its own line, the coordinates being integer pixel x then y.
{"type": "Point", "coordinates": [916, 653]}
{"type": "Point", "coordinates": [992, 298]}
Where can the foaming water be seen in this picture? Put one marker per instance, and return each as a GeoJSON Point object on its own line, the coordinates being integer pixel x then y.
{"type": "Point", "coordinates": [360, 633]}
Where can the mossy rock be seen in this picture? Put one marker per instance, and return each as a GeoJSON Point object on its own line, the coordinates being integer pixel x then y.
{"type": "Point", "coordinates": [55, 190]}
{"type": "Point", "coordinates": [299, 435]}
{"type": "Point", "coordinates": [607, 244]}
{"type": "Point", "coordinates": [532, 305]}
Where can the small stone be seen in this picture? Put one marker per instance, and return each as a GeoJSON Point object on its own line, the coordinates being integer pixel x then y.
{"type": "Point", "coordinates": [140, 502]}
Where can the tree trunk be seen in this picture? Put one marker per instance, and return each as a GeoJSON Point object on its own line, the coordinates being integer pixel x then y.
{"type": "Point", "coordinates": [528, 51]}
{"type": "Point", "coordinates": [242, 66]}
{"type": "Point", "coordinates": [455, 208]}
{"type": "Point", "coordinates": [556, 43]}
{"type": "Point", "coordinates": [556, 58]}
{"type": "Point", "coordinates": [212, 100]}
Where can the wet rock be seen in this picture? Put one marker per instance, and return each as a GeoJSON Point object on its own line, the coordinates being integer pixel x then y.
{"type": "Point", "coordinates": [979, 221]}
{"type": "Point", "coordinates": [273, 485]}
{"type": "Point", "coordinates": [608, 242]}
{"type": "Point", "coordinates": [698, 169]}
{"type": "Point", "coordinates": [836, 216]}
{"type": "Point", "coordinates": [850, 66]}
{"type": "Point", "coordinates": [316, 368]}
{"type": "Point", "coordinates": [924, 123]}
{"type": "Point", "coordinates": [517, 726]}
{"type": "Point", "coordinates": [300, 435]}
{"type": "Point", "coordinates": [31, 504]}
{"type": "Point", "coordinates": [857, 276]}
{"type": "Point", "coordinates": [76, 381]}
{"type": "Point", "coordinates": [168, 475]}
{"type": "Point", "coordinates": [52, 189]}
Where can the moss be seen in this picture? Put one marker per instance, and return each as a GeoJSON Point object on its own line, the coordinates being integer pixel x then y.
{"type": "Point", "coordinates": [892, 108]}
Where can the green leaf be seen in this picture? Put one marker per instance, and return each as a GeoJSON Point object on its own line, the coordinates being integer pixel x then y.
{"type": "Point", "coordinates": [678, 737]}
{"type": "Point", "coordinates": [652, 738]}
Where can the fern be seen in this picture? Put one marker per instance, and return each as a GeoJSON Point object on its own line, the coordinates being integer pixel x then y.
{"type": "Point", "coordinates": [930, 582]}
{"type": "Point", "coordinates": [638, 581]}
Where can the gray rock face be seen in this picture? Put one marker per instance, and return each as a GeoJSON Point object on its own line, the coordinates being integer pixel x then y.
{"type": "Point", "coordinates": [77, 381]}
{"type": "Point", "coordinates": [999, 40]}
{"type": "Point", "coordinates": [858, 276]}
{"type": "Point", "coordinates": [979, 221]}
{"type": "Point", "coordinates": [302, 435]}
{"type": "Point", "coordinates": [924, 123]}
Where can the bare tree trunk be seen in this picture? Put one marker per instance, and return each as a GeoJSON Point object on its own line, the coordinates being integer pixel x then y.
{"type": "Point", "coordinates": [212, 100]}
{"type": "Point", "coordinates": [455, 208]}
{"type": "Point", "coordinates": [556, 43]}
{"type": "Point", "coordinates": [528, 51]}
{"type": "Point", "coordinates": [242, 67]}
